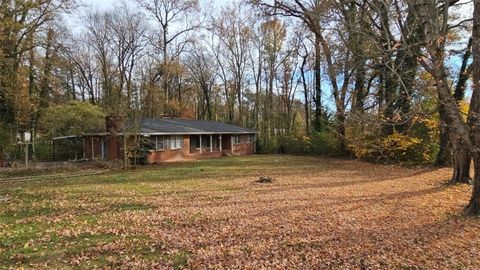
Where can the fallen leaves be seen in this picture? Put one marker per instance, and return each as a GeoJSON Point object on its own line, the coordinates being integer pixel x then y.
{"type": "Point", "coordinates": [318, 213]}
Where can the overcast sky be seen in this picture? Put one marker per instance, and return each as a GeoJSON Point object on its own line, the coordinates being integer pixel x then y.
{"type": "Point", "coordinates": [104, 4]}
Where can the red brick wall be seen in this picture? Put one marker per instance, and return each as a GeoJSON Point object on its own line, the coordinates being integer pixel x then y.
{"type": "Point", "coordinates": [244, 148]}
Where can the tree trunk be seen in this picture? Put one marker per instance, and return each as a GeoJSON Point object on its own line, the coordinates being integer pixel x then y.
{"type": "Point", "coordinates": [444, 157]}
{"type": "Point", "coordinates": [305, 93]}
{"type": "Point", "coordinates": [340, 129]}
{"type": "Point", "coordinates": [474, 205]}
{"type": "Point", "coordinates": [459, 136]}
{"type": "Point", "coordinates": [317, 124]}
{"type": "Point", "coordinates": [464, 74]}
{"type": "Point", "coordinates": [461, 158]}
{"type": "Point", "coordinates": [360, 90]}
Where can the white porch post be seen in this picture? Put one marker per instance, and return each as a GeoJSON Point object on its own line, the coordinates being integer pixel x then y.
{"type": "Point", "coordinates": [200, 144]}
{"type": "Point", "coordinates": [220, 142]}
{"type": "Point", "coordinates": [211, 143]}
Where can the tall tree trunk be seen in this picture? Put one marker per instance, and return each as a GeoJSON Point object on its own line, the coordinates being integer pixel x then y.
{"type": "Point", "coordinates": [360, 90]}
{"type": "Point", "coordinates": [305, 94]}
{"type": "Point", "coordinates": [317, 124]}
{"type": "Point", "coordinates": [474, 205]}
{"type": "Point", "coordinates": [459, 136]}
{"type": "Point", "coordinates": [444, 155]}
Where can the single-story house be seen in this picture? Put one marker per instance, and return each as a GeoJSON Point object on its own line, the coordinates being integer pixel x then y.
{"type": "Point", "coordinates": [171, 139]}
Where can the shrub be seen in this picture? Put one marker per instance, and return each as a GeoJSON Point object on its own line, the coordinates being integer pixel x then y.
{"type": "Point", "coordinates": [319, 143]}
{"type": "Point", "coordinates": [417, 146]}
{"type": "Point", "coordinates": [138, 153]}
{"type": "Point", "coordinates": [74, 118]}
{"type": "Point", "coordinates": [324, 143]}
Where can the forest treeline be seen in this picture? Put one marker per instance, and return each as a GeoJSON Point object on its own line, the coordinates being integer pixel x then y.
{"type": "Point", "coordinates": [388, 81]}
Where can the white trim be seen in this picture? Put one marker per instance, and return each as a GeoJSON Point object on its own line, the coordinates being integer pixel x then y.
{"type": "Point", "coordinates": [65, 137]}
{"type": "Point", "coordinates": [154, 133]}
{"type": "Point", "coordinates": [189, 133]}
{"type": "Point", "coordinates": [221, 142]}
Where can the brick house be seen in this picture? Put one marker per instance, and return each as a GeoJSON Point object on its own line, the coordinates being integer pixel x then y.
{"type": "Point", "coordinates": [171, 139]}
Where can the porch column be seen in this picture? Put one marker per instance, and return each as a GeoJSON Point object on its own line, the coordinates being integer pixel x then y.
{"type": "Point", "coordinates": [211, 143]}
{"type": "Point", "coordinates": [93, 154]}
{"type": "Point", "coordinates": [200, 143]}
{"type": "Point", "coordinates": [220, 142]}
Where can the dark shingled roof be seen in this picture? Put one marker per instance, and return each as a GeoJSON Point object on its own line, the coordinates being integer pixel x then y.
{"type": "Point", "coordinates": [186, 126]}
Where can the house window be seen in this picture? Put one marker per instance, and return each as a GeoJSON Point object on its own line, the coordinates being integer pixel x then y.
{"type": "Point", "coordinates": [176, 142]}
{"type": "Point", "coordinates": [249, 138]}
{"type": "Point", "coordinates": [159, 142]}
{"type": "Point", "coordinates": [236, 139]}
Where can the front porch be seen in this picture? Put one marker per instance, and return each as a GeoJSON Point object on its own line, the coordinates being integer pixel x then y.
{"type": "Point", "coordinates": [202, 144]}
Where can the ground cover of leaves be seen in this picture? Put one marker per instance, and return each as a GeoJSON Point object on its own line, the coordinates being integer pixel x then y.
{"type": "Point", "coordinates": [319, 213]}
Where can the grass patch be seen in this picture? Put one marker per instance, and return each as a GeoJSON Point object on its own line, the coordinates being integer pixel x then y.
{"type": "Point", "coordinates": [11, 216]}
{"type": "Point", "coordinates": [180, 260]}
{"type": "Point", "coordinates": [132, 207]}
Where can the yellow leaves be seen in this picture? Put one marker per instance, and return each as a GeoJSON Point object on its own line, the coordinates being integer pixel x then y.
{"type": "Point", "coordinates": [399, 142]}
{"type": "Point", "coordinates": [464, 107]}
{"type": "Point", "coordinates": [387, 148]}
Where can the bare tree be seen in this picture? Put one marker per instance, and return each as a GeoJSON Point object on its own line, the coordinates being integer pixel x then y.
{"type": "Point", "coordinates": [175, 19]}
{"type": "Point", "coordinates": [310, 13]}
{"type": "Point", "coordinates": [234, 37]}
{"type": "Point", "coordinates": [202, 67]}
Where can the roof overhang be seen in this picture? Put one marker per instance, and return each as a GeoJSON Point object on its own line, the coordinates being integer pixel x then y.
{"type": "Point", "coordinates": [146, 134]}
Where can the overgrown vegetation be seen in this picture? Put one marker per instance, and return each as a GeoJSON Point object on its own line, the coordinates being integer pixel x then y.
{"type": "Point", "coordinates": [73, 118]}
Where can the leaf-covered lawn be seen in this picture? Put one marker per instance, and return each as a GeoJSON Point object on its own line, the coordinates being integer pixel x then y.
{"type": "Point", "coordinates": [319, 213]}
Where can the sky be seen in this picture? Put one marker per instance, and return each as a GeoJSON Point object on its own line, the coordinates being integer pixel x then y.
{"type": "Point", "coordinates": [103, 4]}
